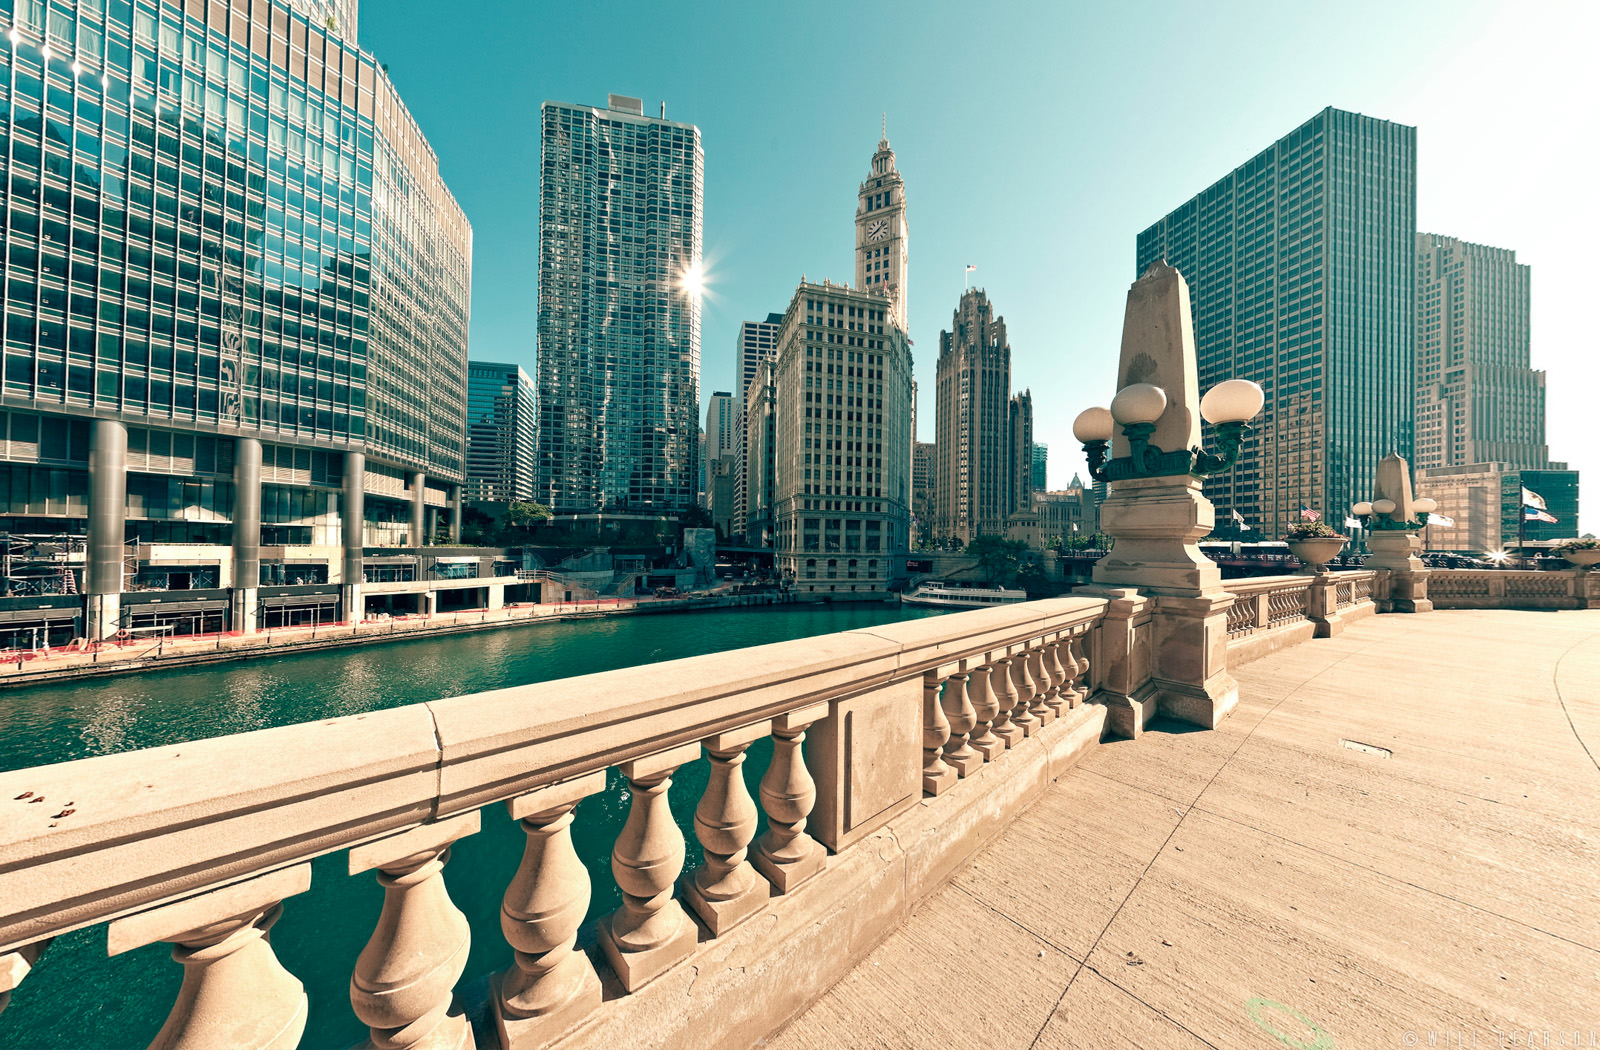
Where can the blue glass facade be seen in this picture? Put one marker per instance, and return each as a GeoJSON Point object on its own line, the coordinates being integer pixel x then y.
{"type": "Point", "coordinates": [1301, 272]}
{"type": "Point", "coordinates": [220, 222]}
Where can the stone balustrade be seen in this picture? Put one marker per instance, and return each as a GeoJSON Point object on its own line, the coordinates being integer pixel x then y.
{"type": "Point", "coordinates": [1513, 589]}
{"type": "Point", "coordinates": [203, 845]}
{"type": "Point", "coordinates": [1272, 612]}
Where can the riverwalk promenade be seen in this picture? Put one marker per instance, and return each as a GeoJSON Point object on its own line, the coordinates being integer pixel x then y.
{"type": "Point", "coordinates": [1391, 842]}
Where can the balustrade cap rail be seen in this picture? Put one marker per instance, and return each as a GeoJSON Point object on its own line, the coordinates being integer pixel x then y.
{"type": "Point", "coordinates": [161, 824]}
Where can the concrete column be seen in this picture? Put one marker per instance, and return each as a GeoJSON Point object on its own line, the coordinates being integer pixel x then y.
{"type": "Point", "coordinates": [419, 509]}
{"type": "Point", "coordinates": [108, 495]}
{"type": "Point", "coordinates": [496, 596]}
{"type": "Point", "coordinates": [455, 514]}
{"type": "Point", "coordinates": [430, 603]}
{"type": "Point", "coordinates": [351, 527]}
{"type": "Point", "coordinates": [246, 532]}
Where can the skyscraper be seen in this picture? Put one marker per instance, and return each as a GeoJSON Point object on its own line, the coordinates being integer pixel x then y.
{"type": "Point", "coordinates": [758, 343]}
{"type": "Point", "coordinates": [974, 475]}
{"type": "Point", "coordinates": [1478, 401]}
{"type": "Point", "coordinates": [1301, 270]}
{"type": "Point", "coordinates": [883, 236]}
{"type": "Point", "coordinates": [923, 464]}
{"type": "Point", "coordinates": [722, 417]}
{"type": "Point", "coordinates": [619, 308]}
{"type": "Point", "coordinates": [501, 424]}
{"type": "Point", "coordinates": [1019, 454]}
{"type": "Point", "coordinates": [236, 304]}
{"type": "Point", "coordinates": [1041, 466]}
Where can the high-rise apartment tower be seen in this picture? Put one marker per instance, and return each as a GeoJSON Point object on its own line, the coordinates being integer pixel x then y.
{"type": "Point", "coordinates": [619, 308]}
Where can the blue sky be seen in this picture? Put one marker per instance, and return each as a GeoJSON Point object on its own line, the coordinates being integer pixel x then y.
{"type": "Point", "coordinates": [1036, 141]}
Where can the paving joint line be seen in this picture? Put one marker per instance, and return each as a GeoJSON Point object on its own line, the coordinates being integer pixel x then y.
{"type": "Point", "coordinates": [1397, 879]}
{"type": "Point", "coordinates": [1182, 816]}
{"type": "Point", "coordinates": [1019, 924]}
{"type": "Point", "coordinates": [1555, 682]}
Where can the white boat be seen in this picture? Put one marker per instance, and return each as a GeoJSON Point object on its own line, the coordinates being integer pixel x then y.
{"type": "Point", "coordinates": [961, 595]}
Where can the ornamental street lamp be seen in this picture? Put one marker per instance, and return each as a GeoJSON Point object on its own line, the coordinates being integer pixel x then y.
{"type": "Point", "coordinates": [1378, 515]}
{"type": "Point", "coordinates": [1229, 405]}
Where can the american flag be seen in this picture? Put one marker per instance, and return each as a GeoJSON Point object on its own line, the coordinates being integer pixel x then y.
{"type": "Point", "coordinates": [1309, 514]}
{"type": "Point", "coordinates": [970, 267]}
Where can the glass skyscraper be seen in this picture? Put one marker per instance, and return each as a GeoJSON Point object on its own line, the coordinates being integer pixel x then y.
{"type": "Point", "coordinates": [619, 309]}
{"type": "Point", "coordinates": [233, 277]}
{"type": "Point", "coordinates": [502, 420]}
{"type": "Point", "coordinates": [1301, 270]}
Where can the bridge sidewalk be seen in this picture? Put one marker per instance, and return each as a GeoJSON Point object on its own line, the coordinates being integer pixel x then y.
{"type": "Point", "coordinates": [1271, 884]}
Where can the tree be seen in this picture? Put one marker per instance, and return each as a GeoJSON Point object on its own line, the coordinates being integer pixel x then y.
{"type": "Point", "coordinates": [525, 515]}
{"type": "Point", "coordinates": [1032, 579]}
{"type": "Point", "coordinates": [998, 558]}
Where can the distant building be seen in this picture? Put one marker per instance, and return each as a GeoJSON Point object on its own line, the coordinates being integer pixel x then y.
{"type": "Point", "coordinates": [1478, 399]}
{"type": "Point", "coordinates": [760, 458]}
{"type": "Point", "coordinates": [1019, 462]}
{"type": "Point", "coordinates": [1066, 513]}
{"type": "Point", "coordinates": [842, 477]}
{"type": "Point", "coordinates": [758, 343]}
{"type": "Point", "coordinates": [1486, 502]}
{"type": "Point", "coordinates": [1041, 463]}
{"type": "Point", "coordinates": [722, 436]}
{"type": "Point", "coordinates": [923, 464]}
{"type": "Point", "coordinates": [1301, 265]}
{"type": "Point", "coordinates": [501, 420]}
{"type": "Point", "coordinates": [983, 437]}
{"type": "Point", "coordinates": [619, 308]}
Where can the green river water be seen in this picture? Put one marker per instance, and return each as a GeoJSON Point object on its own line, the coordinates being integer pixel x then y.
{"type": "Point", "coordinates": [78, 999]}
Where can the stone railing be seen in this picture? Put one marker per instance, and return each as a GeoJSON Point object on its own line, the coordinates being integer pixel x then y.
{"type": "Point", "coordinates": [1513, 589]}
{"type": "Point", "coordinates": [1272, 612]}
{"type": "Point", "coordinates": [924, 737]}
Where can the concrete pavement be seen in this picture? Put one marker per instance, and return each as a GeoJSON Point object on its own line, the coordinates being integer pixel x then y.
{"type": "Point", "coordinates": [1392, 842]}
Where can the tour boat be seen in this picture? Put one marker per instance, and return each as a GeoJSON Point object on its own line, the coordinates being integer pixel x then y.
{"type": "Point", "coordinates": [961, 595]}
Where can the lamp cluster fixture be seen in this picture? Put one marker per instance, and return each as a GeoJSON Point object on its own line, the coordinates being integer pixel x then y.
{"type": "Point", "coordinates": [1229, 405]}
{"type": "Point", "coordinates": [1378, 515]}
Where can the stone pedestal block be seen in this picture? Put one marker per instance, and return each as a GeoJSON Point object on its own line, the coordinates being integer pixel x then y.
{"type": "Point", "coordinates": [1322, 606]}
{"type": "Point", "coordinates": [1190, 671]}
{"type": "Point", "coordinates": [866, 760]}
{"type": "Point", "coordinates": [1122, 661]}
{"type": "Point", "coordinates": [1394, 553]}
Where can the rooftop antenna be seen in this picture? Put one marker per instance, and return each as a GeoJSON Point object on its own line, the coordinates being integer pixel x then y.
{"type": "Point", "coordinates": [663, 109]}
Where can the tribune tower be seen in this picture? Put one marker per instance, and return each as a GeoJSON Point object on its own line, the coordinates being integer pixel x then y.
{"type": "Point", "coordinates": [883, 254]}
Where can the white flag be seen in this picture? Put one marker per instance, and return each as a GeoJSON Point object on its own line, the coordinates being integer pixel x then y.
{"type": "Point", "coordinates": [1442, 520]}
{"type": "Point", "coordinates": [1352, 523]}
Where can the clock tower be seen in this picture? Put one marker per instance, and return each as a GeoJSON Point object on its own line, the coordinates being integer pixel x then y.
{"type": "Point", "coordinates": [883, 252]}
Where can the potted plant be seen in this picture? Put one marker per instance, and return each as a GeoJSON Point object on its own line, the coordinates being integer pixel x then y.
{"type": "Point", "coordinates": [1314, 543]}
{"type": "Point", "coordinates": [1582, 553]}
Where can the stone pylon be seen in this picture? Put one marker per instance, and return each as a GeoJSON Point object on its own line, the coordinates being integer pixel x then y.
{"type": "Point", "coordinates": [1394, 551]}
{"type": "Point", "coordinates": [1170, 595]}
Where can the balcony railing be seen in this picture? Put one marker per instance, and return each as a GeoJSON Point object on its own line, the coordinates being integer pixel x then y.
{"type": "Point", "coordinates": [201, 844]}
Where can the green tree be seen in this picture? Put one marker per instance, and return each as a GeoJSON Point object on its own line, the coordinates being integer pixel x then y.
{"type": "Point", "coordinates": [998, 558]}
{"type": "Point", "coordinates": [1032, 579]}
{"type": "Point", "coordinates": [524, 515]}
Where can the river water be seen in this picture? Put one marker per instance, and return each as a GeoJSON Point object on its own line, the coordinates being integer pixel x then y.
{"type": "Point", "coordinates": [77, 999]}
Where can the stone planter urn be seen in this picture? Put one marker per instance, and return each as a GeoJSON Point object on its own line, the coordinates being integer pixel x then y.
{"type": "Point", "coordinates": [1316, 551]}
{"type": "Point", "coordinates": [1583, 559]}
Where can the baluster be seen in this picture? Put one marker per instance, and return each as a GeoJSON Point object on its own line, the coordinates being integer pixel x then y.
{"type": "Point", "coordinates": [1006, 726]}
{"type": "Point", "coordinates": [235, 993]}
{"type": "Point", "coordinates": [1077, 681]}
{"type": "Point", "coordinates": [936, 776]}
{"type": "Point", "coordinates": [650, 932]}
{"type": "Point", "coordinates": [1060, 699]}
{"type": "Point", "coordinates": [726, 890]}
{"type": "Point", "coordinates": [958, 753]}
{"type": "Point", "coordinates": [1039, 708]}
{"type": "Point", "coordinates": [1021, 716]}
{"type": "Point", "coordinates": [786, 854]}
{"type": "Point", "coordinates": [402, 987]}
{"type": "Point", "coordinates": [15, 965]}
{"type": "Point", "coordinates": [551, 984]}
{"type": "Point", "coordinates": [985, 712]}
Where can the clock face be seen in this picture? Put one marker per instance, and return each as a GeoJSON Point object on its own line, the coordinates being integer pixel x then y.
{"type": "Point", "coordinates": [878, 230]}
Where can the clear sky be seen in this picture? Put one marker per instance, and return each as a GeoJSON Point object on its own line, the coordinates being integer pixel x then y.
{"type": "Point", "coordinates": [1036, 140]}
